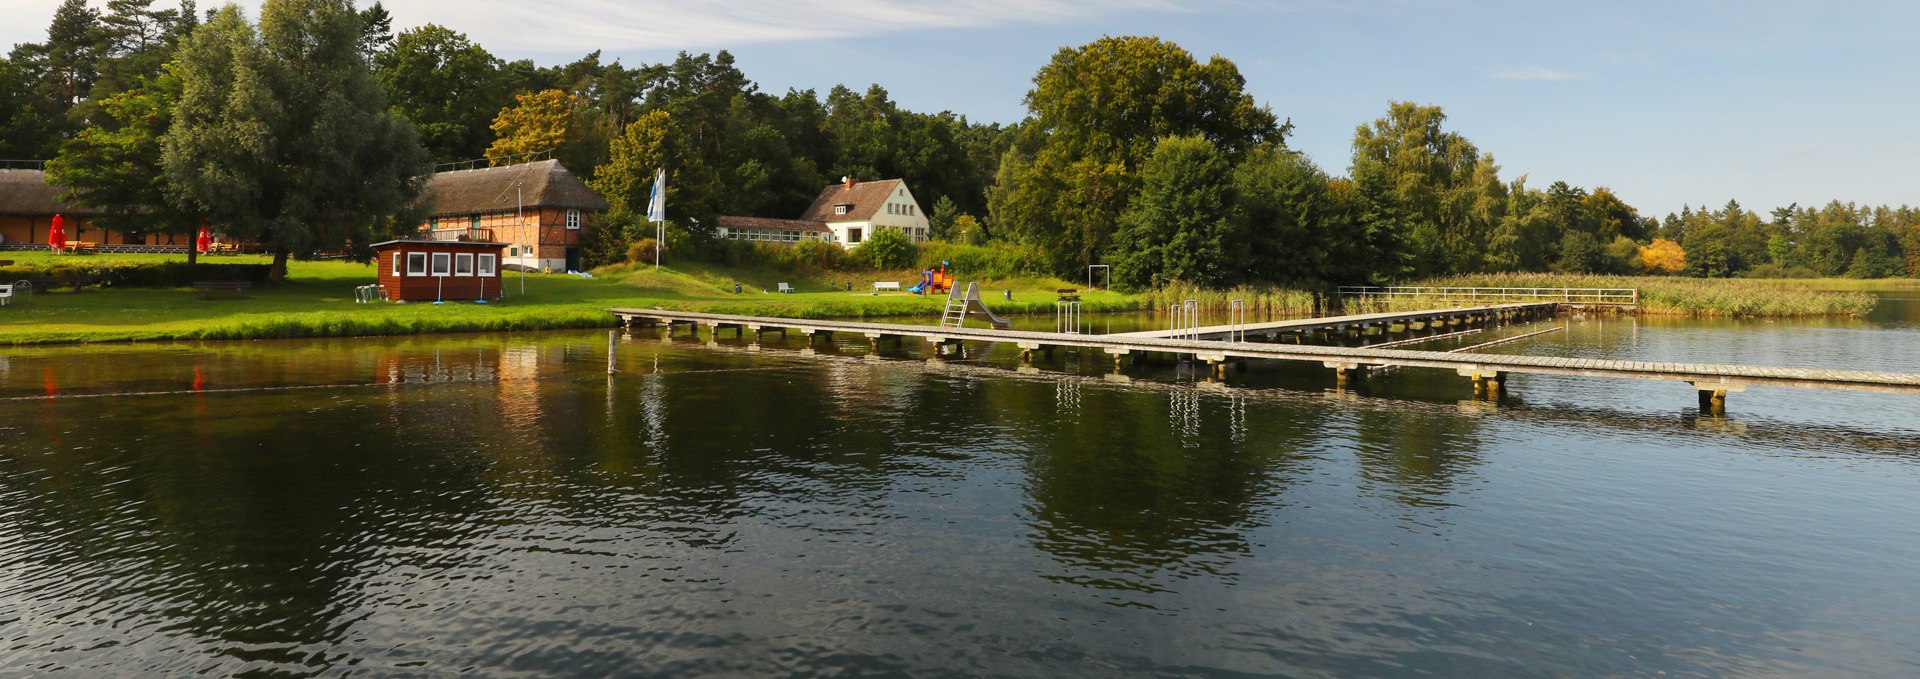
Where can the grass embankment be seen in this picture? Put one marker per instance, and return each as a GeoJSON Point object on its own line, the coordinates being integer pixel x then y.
{"type": "Point", "coordinates": [317, 301]}
{"type": "Point", "coordinates": [1702, 297]}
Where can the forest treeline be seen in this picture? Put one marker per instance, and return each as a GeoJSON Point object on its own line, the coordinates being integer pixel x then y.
{"type": "Point", "coordinates": [310, 129]}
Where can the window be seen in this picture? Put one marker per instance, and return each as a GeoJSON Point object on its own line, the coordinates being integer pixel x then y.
{"type": "Point", "coordinates": [853, 235]}
{"type": "Point", "coordinates": [573, 219]}
{"type": "Point", "coordinates": [513, 251]}
{"type": "Point", "coordinates": [909, 209]}
{"type": "Point", "coordinates": [416, 264]}
{"type": "Point", "coordinates": [463, 264]}
{"type": "Point", "coordinates": [442, 262]}
{"type": "Point", "coordinates": [396, 263]}
{"type": "Point", "coordinates": [487, 265]}
{"type": "Point", "coordinates": [433, 222]}
{"type": "Point", "coordinates": [841, 209]}
{"type": "Point", "coordinates": [473, 222]}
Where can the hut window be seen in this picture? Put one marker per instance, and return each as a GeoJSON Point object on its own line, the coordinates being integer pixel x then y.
{"type": "Point", "coordinates": [396, 263]}
{"type": "Point", "coordinates": [463, 264]}
{"type": "Point", "coordinates": [513, 251]}
{"type": "Point", "coordinates": [573, 219]}
{"type": "Point", "coordinates": [442, 261]}
{"type": "Point", "coordinates": [416, 264]}
{"type": "Point", "coordinates": [486, 264]}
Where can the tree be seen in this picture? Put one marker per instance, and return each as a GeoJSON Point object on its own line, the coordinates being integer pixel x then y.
{"type": "Point", "coordinates": [376, 30]}
{"type": "Point", "coordinates": [1708, 254]}
{"type": "Point", "coordinates": [648, 145]}
{"type": "Point", "coordinates": [449, 87]}
{"type": "Point", "coordinates": [1177, 228]}
{"type": "Point", "coordinates": [62, 70]}
{"type": "Point", "coordinates": [1661, 257]}
{"type": "Point", "coordinates": [1286, 213]}
{"type": "Point", "coordinates": [554, 122]}
{"type": "Point", "coordinates": [1097, 112]}
{"type": "Point", "coordinates": [23, 131]}
{"type": "Point", "coordinates": [117, 166]}
{"type": "Point", "coordinates": [1450, 192]}
{"type": "Point", "coordinates": [283, 136]}
{"type": "Point", "coordinates": [940, 223]}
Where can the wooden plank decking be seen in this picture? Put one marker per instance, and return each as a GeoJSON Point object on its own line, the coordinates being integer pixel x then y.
{"type": "Point", "coordinates": [1708, 377]}
{"type": "Point", "coordinates": [1271, 328]}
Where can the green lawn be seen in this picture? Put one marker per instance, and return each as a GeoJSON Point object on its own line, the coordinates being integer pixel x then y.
{"type": "Point", "coordinates": [317, 300]}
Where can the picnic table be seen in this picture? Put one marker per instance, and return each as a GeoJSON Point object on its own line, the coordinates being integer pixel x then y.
{"type": "Point", "coordinates": [237, 288]}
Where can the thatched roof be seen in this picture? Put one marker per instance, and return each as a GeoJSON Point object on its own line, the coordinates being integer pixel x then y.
{"type": "Point", "coordinates": [863, 201]}
{"type": "Point", "coordinates": [26, 192]}
{"type": "Point", "coordinates": [488, 190]}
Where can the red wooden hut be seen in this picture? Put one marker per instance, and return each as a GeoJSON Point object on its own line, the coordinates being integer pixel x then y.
{"type": "Point", "coordinates": [428, 270]}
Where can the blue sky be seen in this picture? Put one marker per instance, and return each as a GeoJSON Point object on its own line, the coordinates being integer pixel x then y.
{"type": "Point", "coordinates": [1668, 103]}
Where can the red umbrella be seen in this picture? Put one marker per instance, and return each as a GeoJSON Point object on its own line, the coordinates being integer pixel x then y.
{"type": "Point", "coordinates": [205, 241]}
{"type": "Point", "coordinates": [58, 236]}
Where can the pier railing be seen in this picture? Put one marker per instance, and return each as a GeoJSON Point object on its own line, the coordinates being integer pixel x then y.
{"type": "Point", "coordinates": [1622, 296]}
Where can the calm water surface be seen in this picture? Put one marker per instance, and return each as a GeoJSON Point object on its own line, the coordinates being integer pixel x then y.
{"type": "Point", "coordinates": [499, 506]}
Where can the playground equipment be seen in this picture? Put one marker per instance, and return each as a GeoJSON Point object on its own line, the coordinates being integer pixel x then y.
{"type": "Point", "coordinates": [959, 305]}
{"type": "Point", "coordinates": [934, 281]}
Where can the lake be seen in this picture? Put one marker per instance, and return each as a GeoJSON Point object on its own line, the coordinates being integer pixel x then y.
{"type": "Point", "coordinates": [500, 506]}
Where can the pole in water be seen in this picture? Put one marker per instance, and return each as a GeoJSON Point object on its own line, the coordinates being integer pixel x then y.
{"type": "Point", "coordinates": [612, 337]}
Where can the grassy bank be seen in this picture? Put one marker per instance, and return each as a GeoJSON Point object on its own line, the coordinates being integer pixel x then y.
{"type": "Point", "coordinates": [318, 301]}
{"type": "Point", "coordinates": [1703, 297]}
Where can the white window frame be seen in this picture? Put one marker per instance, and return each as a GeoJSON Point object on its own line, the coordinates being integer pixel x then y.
{"type": "Point", "coordinates": [442, 265]}
{"type": "Point", "coordinates": [397, 256]}
{"type": "Point", "coordinates": [414, 258]}
{"type": "Point", "coordinates": [463, 260]}
{"type": "Point", "coordinates": [839, 209]}
{"type": "Point", "coordinates": [487, 266]}
{"type": "Point", "coordinates": [573, 219]}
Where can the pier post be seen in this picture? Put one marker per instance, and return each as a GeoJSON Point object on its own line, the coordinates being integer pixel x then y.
{"type": "Point", "coordinates": [1713, 395]}
{"type": "Point", "coordinates": [613, 338]}
{"type": "Point", "coordinates": [1486, 381]}
{"type": "Point", "coordinates": [1342, 372]}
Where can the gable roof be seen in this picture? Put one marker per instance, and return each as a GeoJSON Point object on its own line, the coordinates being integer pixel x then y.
{"type": "Point", "coordinates": [733, 222]}
{"type": "Point", "coordinates": [543, 183]}
{"type": "Point", "coordinates": [864, 199]}
{"type": "Point", "coordinates": [26, 192]}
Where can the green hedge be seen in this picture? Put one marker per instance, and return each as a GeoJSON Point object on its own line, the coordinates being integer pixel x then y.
{"type": "Point", "coordinates": [144, 274]}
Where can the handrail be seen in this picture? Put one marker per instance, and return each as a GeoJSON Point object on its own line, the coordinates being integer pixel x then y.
{"type": "Point", "coordinates": [1568, 295]}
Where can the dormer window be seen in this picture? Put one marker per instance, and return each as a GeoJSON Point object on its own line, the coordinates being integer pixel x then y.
{"type": "Point", "coordinates": [842, 208]}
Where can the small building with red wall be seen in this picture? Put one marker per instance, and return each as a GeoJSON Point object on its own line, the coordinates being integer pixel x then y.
{"type": "Point", "coordinates": [429, 270]}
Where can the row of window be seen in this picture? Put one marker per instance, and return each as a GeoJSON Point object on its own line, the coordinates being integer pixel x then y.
{"type": "Point", "coordinates": [444, 264]}
{"type": "Point", "coordinates": [777, 235]}
{"type": "Point", "coordinates": [898, 209]}
{"type": "Point", "coordinates": [573, 221]}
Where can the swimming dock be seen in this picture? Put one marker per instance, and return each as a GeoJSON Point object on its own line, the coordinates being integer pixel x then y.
{"type": "Point", "coordinates": [1488, 371]}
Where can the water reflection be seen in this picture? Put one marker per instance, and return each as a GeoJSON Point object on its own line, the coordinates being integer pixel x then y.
{"type": "Point", "coordinates": [428, 505]}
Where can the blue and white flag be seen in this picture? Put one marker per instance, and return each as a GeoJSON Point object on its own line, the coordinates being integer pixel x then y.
{"type": "Point", "coordinates": [657, 202]}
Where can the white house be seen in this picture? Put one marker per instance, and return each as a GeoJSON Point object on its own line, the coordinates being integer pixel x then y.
{"type": "Point", "coordinates": [846, 213]}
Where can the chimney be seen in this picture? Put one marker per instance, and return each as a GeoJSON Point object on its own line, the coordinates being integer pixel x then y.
{"type": "Point", "coordinates": [849, 181]}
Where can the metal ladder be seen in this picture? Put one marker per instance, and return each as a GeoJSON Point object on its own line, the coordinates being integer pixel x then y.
{"type": "Point", "coordinates": [956, 313]}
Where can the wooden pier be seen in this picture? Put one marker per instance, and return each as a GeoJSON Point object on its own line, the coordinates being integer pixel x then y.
{"type": "Point", "coordinates": [1363, 323]}
{"type": "Point", "coordinates": [1488, 371]}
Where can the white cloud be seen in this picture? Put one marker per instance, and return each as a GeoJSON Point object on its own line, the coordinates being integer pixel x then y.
{"type": "Point", "coordinates": [567, 26]}
{"type": "Point", "coordinates": [1536, 74]}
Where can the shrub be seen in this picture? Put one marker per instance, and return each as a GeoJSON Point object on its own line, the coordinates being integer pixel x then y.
{"type": "Point", "coordinates": [643, 252]}
{"type": "Point", "coordinates": [821, 255]}
{"type": "Point", "coordinates": [886, 249]}
{"type": "Point", "coordinates": [173, 274]}
{"type": "Point", "coordinates": [1000, 260]}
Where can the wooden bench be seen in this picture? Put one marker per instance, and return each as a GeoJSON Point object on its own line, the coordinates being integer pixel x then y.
{"type": "Point", "coordinates": [786, 288]}
{"type": "Point", "coordinates": [80, 247]}
{"type": "Point", "coordinates": [6, 295]}
{"type": "Point", "coordinates": [223, 249]}
{"type": "Point", "coordinates": [237, 288]}
{"type": "Point", "coordinates": [886, 285]}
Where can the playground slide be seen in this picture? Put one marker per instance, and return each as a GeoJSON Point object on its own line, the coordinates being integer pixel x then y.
{"type": "Point", "coordinates": [976, 306]}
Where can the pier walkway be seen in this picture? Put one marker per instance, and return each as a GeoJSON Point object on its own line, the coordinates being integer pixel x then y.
{"type": "Point", "coordinates": [1488, 371]}
{"type": "Point", "coordinates": [1416, 320]}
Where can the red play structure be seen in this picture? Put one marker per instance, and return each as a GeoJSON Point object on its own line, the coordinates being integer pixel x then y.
{"type": "Point", "coordinates": [934, 281]}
